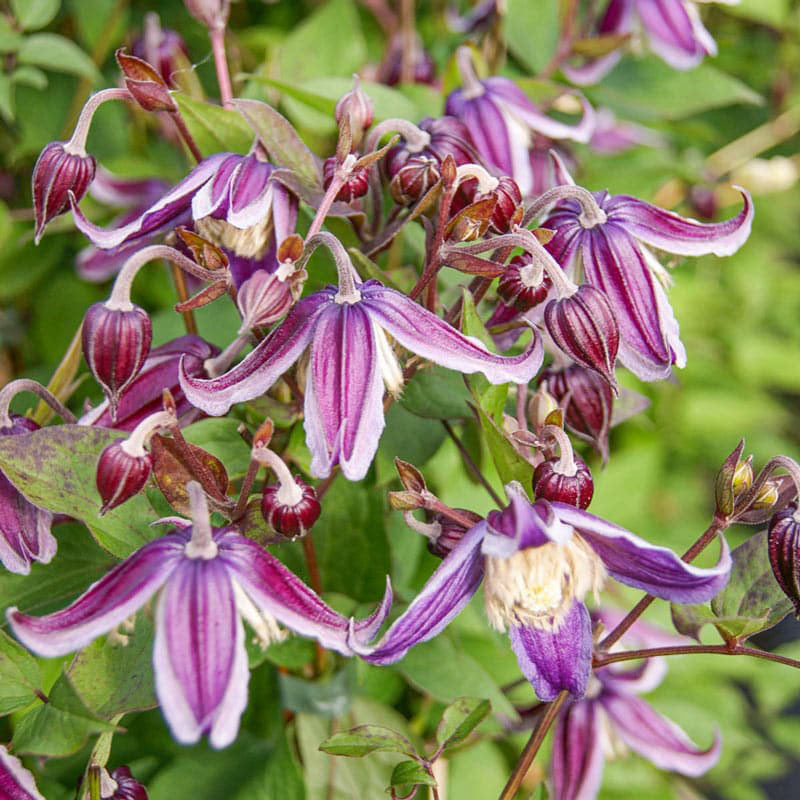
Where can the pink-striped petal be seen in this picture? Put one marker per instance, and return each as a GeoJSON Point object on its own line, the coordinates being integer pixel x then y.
{"type": "Point", "coordinates": [24, 531]}
{"type": "Point", "coordinates": [675, 32]}
{"type": "Point", "coordinates": [577, 761]}
{"type": "Point", "coordinates": [16, 782]}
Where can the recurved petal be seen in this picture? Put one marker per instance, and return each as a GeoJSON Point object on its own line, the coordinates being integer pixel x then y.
{"type": "Point", "coordinates": [16, 782]}
{"type": "Point", "coordinates": [104, 604]}
{"type": "Point", "coordinates": [427, 335]}
{"type": "Point", "coordinates": [656, 570]}
{"type": "Point", "coordinates": [277, 590]}
{"type": "Point", "coordinates": [24, 531]}
{"type": "Point", "coordinates": [658, 739]}
{"type": "Point", "coordinates": [261, 368]}
{"type": "Point", "coordinates": [675, 234]}
{"type": "Point", "coordinates": [556, 660]}
{"type": "Point", "coordinates": [344, 393]}
{"type": "Point", "coordinates": [577, 761]}
{"type": "Point", "coordinates": [199, 657]}
{"type": "Point", "coordinates": [440, 600]}
{"type": "Point", "coordinates": [160, 213]}
{"type": "Point", "coordinates": [675, 32]}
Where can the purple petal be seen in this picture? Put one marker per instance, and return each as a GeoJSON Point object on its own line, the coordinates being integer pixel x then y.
{"type": "Point", "coordinates": [16, 782]}
{"type": "Point", "coordinates": [656, 570]}
{"type": "Point", "coordinates": [199, 657]}
{"type": "Point", "coordinates": [440, 600]}
{"type": "Point", "coordinates": [212, 198]}
{"type": "Point", "coordinates": [675, 234]}
{"type": "Point", "coordinates": [577, 761]}
{"type": "Point", "coordinates": [251, 193]}
{"type": "Point", "coordinates": [425, 334]}
{"type": "Point", "coordinates": [277, 590]}
{"type": "Point", "coordinates": [284, 211]}
{"type": "Point", "coordinates": [658, 739]}
{"type": "Point", "coordinates": [115, 190]}
{"type": "Point", "coordinates": [556, 660]}
{"type": "Point", "coordinates": [104, 604]}
{"type": "Point", "coordinates": [256, 373]}
{"type": "Point", "coordinates": [24, 531]}
{"type": "Point", "coordinates": [675, 32]}
{"type": "Point", "coordinates": [344, 393]}
{"type": "Point", "coordinates": [159, 214]}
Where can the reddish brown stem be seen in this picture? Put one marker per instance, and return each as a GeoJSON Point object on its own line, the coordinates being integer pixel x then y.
{"type": "Point", "coordinates": [717, 649]}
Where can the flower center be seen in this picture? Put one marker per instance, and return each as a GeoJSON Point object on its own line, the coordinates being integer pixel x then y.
{"type": "Point", "coordinates": [251, 242]}
{"type": "Point", "coordinates": [537, 586]}
{"type": "Point", "coordinates": [387, 361]}
{"type": "Point", "coordinates": [264, 625]}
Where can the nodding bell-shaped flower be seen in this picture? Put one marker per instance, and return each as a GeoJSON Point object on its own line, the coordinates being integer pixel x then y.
{"type": "Point", "coordinates": [524, 284]}
{"type": "Point", "coordinates": [207, 579]}
{"type": "Point", "coordinates": [612, 717]}
{"type": "Point", "coordinates": [537, 562]}
{"type": "Point", "coordinates": [503, 122]}
{"type": "Point", "coordinates": [608, 237]}
{"type": "Point", "coordinates": [783, 542]}
{"type": "Point", "coordinates": [565, 479]}
{"type": "Point", "coordinates": [351, 359]}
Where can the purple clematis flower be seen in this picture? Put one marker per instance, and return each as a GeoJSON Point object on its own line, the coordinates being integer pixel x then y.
{"type": "Point", "coordinates": [537, 562]}
{"type": "Point", "coordinates": [16, 782]}
{"type": "Point", "coordinates": [234, 201]}
{"type": "Point", "coordinates": [672, 28]}
{"type": "Point", "coordinates": [506, 126]}
{"type": "Point", "coordinates": [611, 718]}
{"type": "Point", "coordinates": [208, 580]}
{"type": "Point", "coordinates": [612, 248]}
{"type": "Point", "coordinates": [350, 360]}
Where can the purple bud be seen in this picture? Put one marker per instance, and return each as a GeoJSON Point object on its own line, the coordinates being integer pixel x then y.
{"type": "Point", "coordinates": [263, 299]}
{"type": "Point", "coordinates": [57, 172]}
{"type": "Point", "coordinates": [357, 107]}
{"type": "Point", "coordinates": [423, 68]}
{"type": "Point", "coordinates": [550, 484]}
{"type": "Point", "coordinates": [524, 284]}
{"type": "Point", "coordinates": [291, 519]}
{"type": "Point", "coordinates": [414, 179]}
{"type": "Point", "coordinates": [451, 532]}
{"type": "Point", "coordinates": [589, 402]}
{"type": "Point", "coordinates": [121, 474]}
{"type": "Point", "coordinates": [508, 211]}
{"type": "Point", "coordinates": [355, 186]}
{"type": "Point", "coordinates": [584, 327]}
{"type": "Point", "coordinates": [783, 542]}
{"type": "Point", "coordinates": [116, 343]}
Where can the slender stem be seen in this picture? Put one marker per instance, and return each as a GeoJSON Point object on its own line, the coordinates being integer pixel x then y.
{"type": "Point", "coordinates": [340, 176]}
{"type": "Point", "coordinates": [77, 142]}
{"type": "Point", "coordinates": [289, 493]}
{"type": "Point", "coordinates": [217, 36]}
{"type": "Point", "coordinates": [407, 32]}
{"type": "Point", "coordinates": [677, 650]}
{"type": "Point", "coordinates": [532, 747]}
{"type": "Point", "coordinates": [202, 544]}
{"type": "Point", "coordinates": [591, 215]}
{"type": "Point", "coordinates": [247, 484]}
{"type": "Point", "coordinates": [187, 137]}
{"type": "Point", "coordinates": [179, 279]}
{"type": "Point", "coordinates": [471, 465]}
{"type": "Point", "coordinates": [326, 484]}
{"type": "Point", "coordinates": [10, 390]}
{"type": "Point", "coordinates": [348, 292]}
{"type": "Point", "coordinates": [717, 525]}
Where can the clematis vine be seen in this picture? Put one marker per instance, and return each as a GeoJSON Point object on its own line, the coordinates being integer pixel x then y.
{"type": "Point", "coordinates": [208, 579]}
{"type": "Point", "coordinates": [612, 718]}
{"type": "Point", "coordinates": [350, 361]}
{"type": "Point", "coordinates": [537, 563]}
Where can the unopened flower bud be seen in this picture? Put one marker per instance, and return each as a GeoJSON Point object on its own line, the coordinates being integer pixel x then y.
{"type": "Point", "coordinates": [451, 532]}
{"type": "Point", "coordinates": [289, 518]}
{"type": "Point", "coordinates": [263, 299]}
{"type": "Point", "coordinates": [541, 407]}
{"type": "Point", "coordinates": [414, 179]}
{"type": "Point", "coordinates": [116, 342]}
{"type": "Point", "coordinates": [355, 186]}
{"type": "Point", "coordinates": [743, 476]}
{"type": "Point", "coordinates": [524, 284]}
{"type": "Point", "coordinates": [145, 83]}
{"type": "Point", "coordinates": [58, 171]}
{"type": "Point", "coordinates": [584, 327]}
{"type": "Point", "coordinates": [550, 484]}
{"type": "Point", "coordinates": [121, 474]}
{"type": "Point", "coordinates": [358, 109]}
{"type": "Point", "coordinates": [212, 13]}
{"type": "Point", "coordinates": [508, 210]}
{"type": "Point", "coordinates": [783, 544]}
{"type": "Point", "coordinates": [767, 496]}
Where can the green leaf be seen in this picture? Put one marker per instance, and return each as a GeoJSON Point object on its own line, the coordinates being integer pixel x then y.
{"type": "Point", "coordinates": [510, 465]}
{"type": "Point", "coordinates": [6, 97]}
{"type": "Point", "coordinates": [437, 393]}
{"type": "Point", "coordinates": [365, 739]}
{"type": "Point", "coordinates": [285, 147]}
{"type": "Point", "coordinates": [531, 30]}
{"type": "Point", "coordinates": [59, 727]}
{"type": "Point", "coordinates": [328, 697]}
{"type": "Point", "coordinates": [10, 40]}
{"type": "Point", "coordinates": [34, 14]}
{"type": "Point", "coordinates": [19, 675]}
{"type": "Point", "coordinates": [30, 76]}
{"type": "Point", "coordinates": [55, 468]}
{"type": "Point", "coordinates": [53, 52]}
{"type": "Point", "coordinates": [690, 620]}
{"type": "Point", "coordinates": [460, 718]}
{"type": "Point", "coordinates": [214, 129]}
{"type": "Point", "coordinates": [408, 774]}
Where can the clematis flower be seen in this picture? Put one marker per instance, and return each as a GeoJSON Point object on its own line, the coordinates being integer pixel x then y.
{"type": "Point", "coordinates": [505, 125]}
{"type": "Point", "coordinates": [612, 718]}
{"type": "Point", "coordinates": [612, 247]}
{"type": "Point", "coordinates": [673, 30]}
{"type": "Point", "coordinates": [207, 580]}
{"type": "Point", "coordinates": [16, 782]}
{"type": "Point", "coordinates": [234, 201]}
{"type": "Point", "coordinates": [350, 360]}
{"type": "Point", "coordinates": [537, 563]}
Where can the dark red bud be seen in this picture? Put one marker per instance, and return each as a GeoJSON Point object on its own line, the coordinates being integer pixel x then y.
{"type": "Point", "coordinates": [523, 285]}
{"type": "Point", "coordinates": [128, 788]}
{"type": "Point", "coordinates": [145, 83]}
{"type": "Point", "coordinates": [550, 484]}
{"type": "Point", "coordinates": [121, 475]}
{"type": "Point", "coordinates": [783, 542]}
{"type": "Point", "coordinates": [355, 186]}
{"type": "Point", "coordinates": [451, 533]}
{"type": "Point", "coordinates": [356, 106]}
{"type": "Point", "coordinates": [291, 520]}
{"type": "Point", "coordinates": [57, 172]}
{"type": "Point", "coordinates": [115, 345]}
{"type": "Point", "coordinates": [414, 179]}
{"type": "Point", "coordinates": [584, 327]}
{"type": "Point", "coordinates": [508, 211]}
